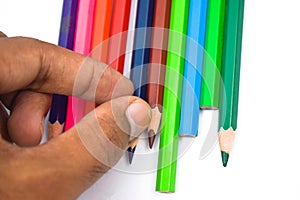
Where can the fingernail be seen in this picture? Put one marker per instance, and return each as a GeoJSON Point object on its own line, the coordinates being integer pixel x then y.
{"type": "Point", "coordinates": [139, 116]}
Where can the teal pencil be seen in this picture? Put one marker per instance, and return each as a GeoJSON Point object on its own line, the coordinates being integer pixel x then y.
{"type": "Point", "coordinates": [231, 75]}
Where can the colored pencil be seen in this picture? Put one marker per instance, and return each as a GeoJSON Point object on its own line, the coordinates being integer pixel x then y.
{"type": "Point", "coordinates": [82, 44]}
{"type": "Point", "coordinates": [130, 38]}
{"type": "Point", "coordinates": [230, 75]}
{"type": "Point", "coordinates": [141, 52]}
{"type": "Point", "coordinates": [118, 34]}
{"type": "Point", "coordinates": [100, 34]}
{"type": "Point", "coordinates": [156, 72]}
{"type": "Point", "coordinates": [213, 57]}
{"type": "Point", "coordinates": [57, 116]}
{"type": "Point", "coordinates": [190, 103]}
{"type": "Point", "coordinates": [168, 148]}
{"type": "Point", "coordinates": [101, 29]}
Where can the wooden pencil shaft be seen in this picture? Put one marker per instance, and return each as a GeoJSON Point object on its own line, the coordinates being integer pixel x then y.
{"type": "Point", "coordinates": [130, 38]}
{"type": "Point", "coordinates": [142, 42]}
{"type": "Point", "coordinates": [156, 72]}
{"type": "Point", "coordinates": [231, 63]}
{"type": "Point", "coordinates": [168, 148]}
{"type": "Point", "coordinates": [190, 106]}
{"type": "Point", "coordinates": [82, 45]}
{"type": "Point", "coordinates": [213, 56]}
{"type": "Point", "coordinates": [66, 39]}
{"type": "Point", "coordinates": [118, 34]}
{"type": "Point", "coordinates": [101, 29]}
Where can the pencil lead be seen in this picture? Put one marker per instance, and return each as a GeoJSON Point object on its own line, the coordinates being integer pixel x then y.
{"type": "Point", "coordinates": [131, 149]}
{"type": "Point", "coordinates": [131, 153]}
{"type": "Point", "coordinates": [151, 137]}
{"type": "Point", "coordinates": [225, 157]}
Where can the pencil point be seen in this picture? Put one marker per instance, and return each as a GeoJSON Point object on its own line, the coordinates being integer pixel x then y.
{"type": "Point", "coordinates": [151, 138]}
{"type": "Point", "coordinates": [225, 157]}
{"type": "Point", "coordinates": [226, 138]}
{"type": "Point", "coordinates": [131, 153]}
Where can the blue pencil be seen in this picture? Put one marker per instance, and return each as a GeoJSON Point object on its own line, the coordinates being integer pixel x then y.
{"type": "Point", "coordinates": [141, 53]}
{"type": "Point", "coordinates": [190, 105]}
{"type": "Point", "coordinates": [58, 109]}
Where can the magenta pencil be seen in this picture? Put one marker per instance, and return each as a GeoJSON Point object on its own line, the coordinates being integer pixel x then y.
{"type": "Point", "coordinates": [82, 45]}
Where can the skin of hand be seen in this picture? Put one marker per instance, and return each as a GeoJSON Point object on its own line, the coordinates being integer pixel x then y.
{"type": "Point", "coordinates": [62, 168]}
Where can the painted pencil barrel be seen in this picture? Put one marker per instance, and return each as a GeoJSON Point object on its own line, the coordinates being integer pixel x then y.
{"type": "Point", "coordinates": [82, 44]}
{"type": "Point", "coordinates": [130, 38]}
{"type": "Point", "coordinates": [118, 34]}
{"type": "Point", "coordinates": [168, 148]}
{"type": "Point", "coordinates": [158, 55]}
{"type": "Point", "coordinates": [231, 64]}
{"type": "Point", "coordinates": [66, 39]}
{"type": "Point", "coordinates": [213, 56]}
{"type": "Point", "coordinates": [68, 23]}
{"type": "Point", "coordinates": [190, 105]}
{"type": "Point", "coordinates": [101, 29]}
{"type": "Point", "coordinates": [142, 42]}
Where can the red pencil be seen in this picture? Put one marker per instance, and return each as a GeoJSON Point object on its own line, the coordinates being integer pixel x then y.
{"type": "Point", "coordinates": [156, 73]}
{"type": "Point", "coordinates": [101, 29]}
{"type": "Point", "coordinates": [118, 34]}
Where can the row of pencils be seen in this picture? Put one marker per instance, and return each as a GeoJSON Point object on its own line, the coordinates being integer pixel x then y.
{"type": "Point", "coordinates": [181, 55]}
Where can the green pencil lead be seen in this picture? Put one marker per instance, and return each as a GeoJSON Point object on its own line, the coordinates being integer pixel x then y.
{"type": "Point", "coordinates": [225, 157]}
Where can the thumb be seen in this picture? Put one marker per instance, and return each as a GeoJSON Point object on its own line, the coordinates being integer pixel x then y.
{"type": "Point", "coordinates": [99, 140]}
{"type": "Point", "coordinates": [70, 163]}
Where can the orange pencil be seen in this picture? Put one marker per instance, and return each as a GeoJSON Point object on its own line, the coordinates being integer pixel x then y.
{"type": "Point", "coordinates": [101, 29]}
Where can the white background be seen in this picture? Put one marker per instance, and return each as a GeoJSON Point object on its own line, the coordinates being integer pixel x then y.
{"type": "Point", "coordinates": [265, 162]}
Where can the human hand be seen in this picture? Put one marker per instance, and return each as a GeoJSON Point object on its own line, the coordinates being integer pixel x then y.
{"type": "Point", "coordinates": [65, 166]}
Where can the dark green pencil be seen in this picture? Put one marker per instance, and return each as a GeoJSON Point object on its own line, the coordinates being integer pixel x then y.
{"type": "Point", "coordinates": [231, 63]}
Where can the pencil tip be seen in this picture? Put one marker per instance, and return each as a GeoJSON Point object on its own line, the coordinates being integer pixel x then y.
{"type": "Point", "coordinates": [151, 138]}
{"type": "Point", "coordinates": [131, 153]}
{"type": "Point", "coordinates": [225, 157]}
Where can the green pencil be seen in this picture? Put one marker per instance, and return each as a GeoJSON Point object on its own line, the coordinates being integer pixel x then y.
{"type": "Point", "coordinates": [168, 148]}
{"type": "Point", "coordinates": [230, 75]}
{"type": "Point", "coordinates": [213, 57]}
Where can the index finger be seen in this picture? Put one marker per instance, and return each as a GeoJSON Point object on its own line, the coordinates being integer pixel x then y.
{"type": "Point", "coordinates": [31, 64]}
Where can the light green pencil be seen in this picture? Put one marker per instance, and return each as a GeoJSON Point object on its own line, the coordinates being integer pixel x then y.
{"type": "Point", "coordinates": [213, 57]}
{"type": "Point", "coordinates": [168, 148]}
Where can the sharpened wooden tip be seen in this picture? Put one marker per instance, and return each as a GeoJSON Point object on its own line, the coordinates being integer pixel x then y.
{"type": "Point", "coordinates": [154, 125]}
{"type": "Point", "coordinates": [55, 129]}
{"type": "Point", "coordinates": [226, 139]}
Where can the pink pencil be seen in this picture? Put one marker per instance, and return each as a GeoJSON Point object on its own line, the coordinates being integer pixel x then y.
{"type": "Point", "coordinates": [82, 45]}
